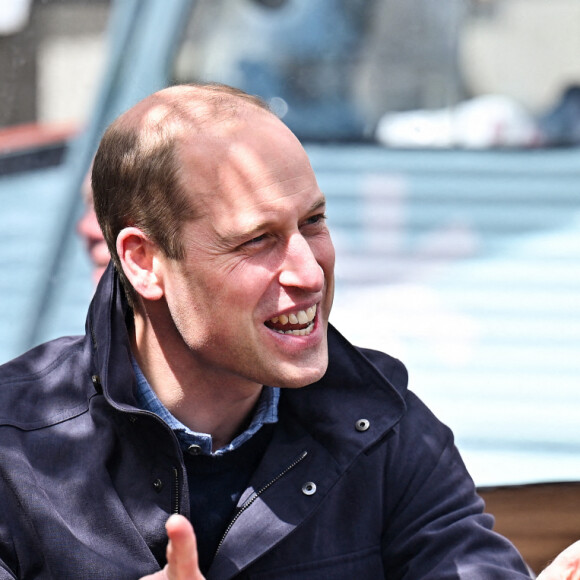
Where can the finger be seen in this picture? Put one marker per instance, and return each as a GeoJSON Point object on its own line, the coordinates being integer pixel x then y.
{"type": "Point", "coordinates": [182, 559]}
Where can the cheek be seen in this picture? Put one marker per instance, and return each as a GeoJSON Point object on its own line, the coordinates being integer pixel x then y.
{"type": "Point", "coordinates": [251, 277]}
{"type": "Point", "coordinates": [323, 249]}
{"type": "Point", "coordinates": [230, 294]}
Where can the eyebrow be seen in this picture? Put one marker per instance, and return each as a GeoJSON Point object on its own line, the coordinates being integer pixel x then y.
{"type": "Point", "coordinates": [234, 239]}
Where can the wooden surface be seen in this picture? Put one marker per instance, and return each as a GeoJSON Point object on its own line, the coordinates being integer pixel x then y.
{"type": "Point", "coordinates": [540, 519]}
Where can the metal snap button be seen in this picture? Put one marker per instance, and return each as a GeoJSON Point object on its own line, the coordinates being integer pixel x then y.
{"type": "Point", "coordinates": [194, 450]}
{"type": "Point", "coordinates": [309, 488]}
{"type": "Point", "coordinates": [362, 425]}
{"type": "Point", "coordinates": [158, 485]}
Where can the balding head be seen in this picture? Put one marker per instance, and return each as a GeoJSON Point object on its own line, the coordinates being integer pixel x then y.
{"type": "Point", "coordinates": [137, 177]}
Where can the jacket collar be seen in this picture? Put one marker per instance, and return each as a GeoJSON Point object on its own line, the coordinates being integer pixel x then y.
{"type": "Point", "coordinates": [106, 328]}
{"type": "Point", "coordinates": [355, 403]}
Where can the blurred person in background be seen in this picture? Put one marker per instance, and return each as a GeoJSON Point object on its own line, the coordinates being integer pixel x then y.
{"type": "Point", "coordinates": [89, 230]}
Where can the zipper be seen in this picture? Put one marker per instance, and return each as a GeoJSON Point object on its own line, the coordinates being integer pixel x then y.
{"type": "Point", "coordinates": [93, 336]}
{"type": "Point", "coordinates": [176, 494]}
{"type": "Point", "coordinates": [256, 495]}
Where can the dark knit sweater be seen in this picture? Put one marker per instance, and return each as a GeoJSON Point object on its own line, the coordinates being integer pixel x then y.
{"type": "Point", "coordinates": [216, 483]}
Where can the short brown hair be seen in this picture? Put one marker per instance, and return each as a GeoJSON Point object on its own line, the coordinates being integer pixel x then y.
{"type": "Point", "coordinates": [136, 171]}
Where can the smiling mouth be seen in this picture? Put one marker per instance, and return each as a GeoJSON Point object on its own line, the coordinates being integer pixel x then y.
{"type": "Point", "coordinates": [299, 323]}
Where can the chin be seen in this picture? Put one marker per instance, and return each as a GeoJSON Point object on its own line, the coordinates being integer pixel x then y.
{"type": "Point", "coordinates": [302, 377]}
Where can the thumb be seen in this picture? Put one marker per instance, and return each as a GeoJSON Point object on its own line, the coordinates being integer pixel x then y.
{"type": "Point", "coordinates": [182, 558]}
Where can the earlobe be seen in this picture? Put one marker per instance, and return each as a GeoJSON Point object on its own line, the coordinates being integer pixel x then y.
{"type": "Point", "coordinates": [138, 259]}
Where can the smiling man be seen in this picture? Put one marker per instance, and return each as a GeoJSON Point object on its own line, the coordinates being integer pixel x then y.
{"type": "Point", "coordinates": [211, 386]}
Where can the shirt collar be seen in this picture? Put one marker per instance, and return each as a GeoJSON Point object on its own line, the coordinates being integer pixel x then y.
{"type": "Point", "coordinates": [266, 412]}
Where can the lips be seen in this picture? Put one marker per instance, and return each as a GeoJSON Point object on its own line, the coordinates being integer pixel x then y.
{"type": "Point", "coordinates": [299, 323]}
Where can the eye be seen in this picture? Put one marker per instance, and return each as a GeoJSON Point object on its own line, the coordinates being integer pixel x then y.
{"type": "Point", "coordinates": [255, 241]}
{"type": "Point", "coordinates": [316, 219]}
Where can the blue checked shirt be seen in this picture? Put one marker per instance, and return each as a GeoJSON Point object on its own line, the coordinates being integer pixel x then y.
{"type": "Point", "coordinates": [266, 412]}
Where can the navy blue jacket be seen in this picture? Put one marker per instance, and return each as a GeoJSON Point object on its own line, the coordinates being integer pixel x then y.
{"type": "Point", "coordinates": [360, 480]}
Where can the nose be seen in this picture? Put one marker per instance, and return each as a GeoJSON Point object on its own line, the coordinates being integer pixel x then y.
{"type": "Point", "coordinates": [300, 268]}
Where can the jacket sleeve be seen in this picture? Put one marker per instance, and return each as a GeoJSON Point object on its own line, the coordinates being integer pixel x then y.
{"type": "Point", "coordinates": [435, 528]}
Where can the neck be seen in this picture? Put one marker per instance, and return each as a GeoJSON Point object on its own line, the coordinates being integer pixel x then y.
{"type": "Point", "coordinates": [205, 401]}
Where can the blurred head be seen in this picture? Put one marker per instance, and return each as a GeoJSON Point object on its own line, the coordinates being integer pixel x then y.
{"type": "Point", "coordinates": [90, 231]}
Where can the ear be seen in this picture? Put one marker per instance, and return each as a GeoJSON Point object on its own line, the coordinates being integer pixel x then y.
{"type": "Point", "coordinates": [139, 259]}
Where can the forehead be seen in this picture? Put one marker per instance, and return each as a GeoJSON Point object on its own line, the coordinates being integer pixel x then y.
{"type": "Point", "coordinates": [251, 170]}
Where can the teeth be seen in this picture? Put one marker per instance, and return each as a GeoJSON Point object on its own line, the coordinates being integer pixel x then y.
{"type": "Point", "coordinates": [302, 332]}
{"type": "Point", "coordinates": [300, 317]}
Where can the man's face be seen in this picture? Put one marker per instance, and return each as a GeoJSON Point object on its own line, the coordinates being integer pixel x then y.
{"type": "Point", "coordinates": [252, 297]}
